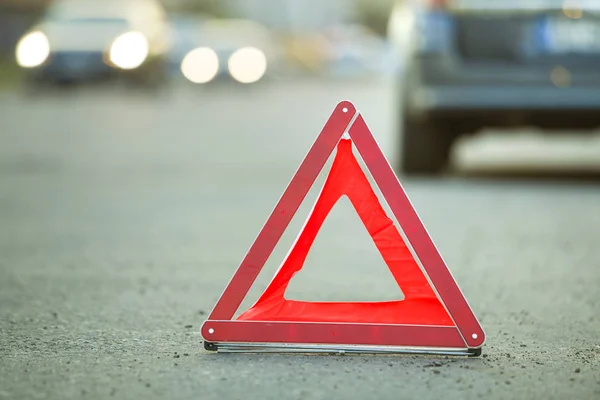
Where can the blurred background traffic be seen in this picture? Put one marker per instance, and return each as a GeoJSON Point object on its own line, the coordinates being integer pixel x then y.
{"type": "Point", "coordinates": [451, 68]}
{"type": "Point", "coordinates": [143, 144]}
{"type": "Point", "coordinates": [153, 41]}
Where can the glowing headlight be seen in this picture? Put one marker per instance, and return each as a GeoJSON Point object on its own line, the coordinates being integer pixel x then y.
{"type": "Point", "coordinates": [247, 65]}
{"type": "Point", "coordinates": [32, 50]}
{"type": "Point", "coordinates": [200, 65]}
{"type": "Point", "coordinates": [129, 50]}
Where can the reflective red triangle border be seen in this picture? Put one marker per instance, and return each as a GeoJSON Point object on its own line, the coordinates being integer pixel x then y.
{"type": "Point", "coordinates": [466, 334]}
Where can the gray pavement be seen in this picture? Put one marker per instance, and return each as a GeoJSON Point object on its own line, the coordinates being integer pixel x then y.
{"type": "Point", "coordinates": [123, 217]}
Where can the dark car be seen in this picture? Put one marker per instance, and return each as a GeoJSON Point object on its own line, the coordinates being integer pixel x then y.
{"type": "Point", "coordinates": [470, 64]}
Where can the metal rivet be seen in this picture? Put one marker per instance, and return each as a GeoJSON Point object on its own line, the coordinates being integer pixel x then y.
{"type": "Point", "coordinates": [474, 336]}
{"type": "Point", "coordinates": [211, 331]}
{"type": "Point", "coordinates": [345, 109]}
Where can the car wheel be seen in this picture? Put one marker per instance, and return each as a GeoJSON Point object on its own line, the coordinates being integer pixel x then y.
{"type": "Point", "coordinates": [33, 86]}
{"type": "Point", "coordinates": [150, 77]}
{"type": "Point", "coordinates": [426, 146]}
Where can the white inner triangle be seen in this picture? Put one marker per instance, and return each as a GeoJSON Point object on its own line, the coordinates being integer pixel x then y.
{"type": "Point", "coordinates": [344, 264]}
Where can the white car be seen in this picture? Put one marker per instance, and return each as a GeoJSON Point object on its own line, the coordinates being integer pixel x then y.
{"type": "Point", "coordinates": [240, 50]}
{"type": "Point", "coordinates": [88, 39]}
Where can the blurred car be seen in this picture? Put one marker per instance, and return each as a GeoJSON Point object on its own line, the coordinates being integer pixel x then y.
{"type": "Point", "coordinates": [186, 34]}
{"type": "Point", "coordinates": [354, 50]}
{"type": "Point", "coordinates": [80, 40]}
{"type": "Point", "coordinates": [469, 64]}
{"type": "Point", "coordinates": [234, 49]}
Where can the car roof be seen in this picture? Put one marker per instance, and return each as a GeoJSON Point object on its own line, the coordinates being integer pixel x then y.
{"type": "Point", "coordinates": [113, 9]}
{"type": "Point", "coordinates": [228, 34]}
{"type": "Point", "coordinates": [231, 30]}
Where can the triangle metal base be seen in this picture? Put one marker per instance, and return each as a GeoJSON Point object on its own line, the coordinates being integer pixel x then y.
{"type": "Point", "coordinates": [228, 347]}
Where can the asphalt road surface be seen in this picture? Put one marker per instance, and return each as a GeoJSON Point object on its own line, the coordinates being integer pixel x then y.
{"type": "Point", "coordinates": [123, 216]}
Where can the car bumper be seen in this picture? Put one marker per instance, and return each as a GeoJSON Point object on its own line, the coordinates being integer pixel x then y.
{"type": "Point", "coordinates": [448, 98]}
{"type": "Point", "coordinates": [75, 65]}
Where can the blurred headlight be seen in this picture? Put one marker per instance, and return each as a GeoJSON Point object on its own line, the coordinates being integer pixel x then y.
{"type": "Point", "coordinates": [200, 65]}
{"type": "Point", "coordinates": [129, 50]}
{"type": "Point", "coordinates": [247, 65]}
{"type": "Point", "coordinates": [32, 50]}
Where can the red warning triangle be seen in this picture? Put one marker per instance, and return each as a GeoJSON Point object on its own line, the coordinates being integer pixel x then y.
{"type": "Point", "coordinates": [431, 316]}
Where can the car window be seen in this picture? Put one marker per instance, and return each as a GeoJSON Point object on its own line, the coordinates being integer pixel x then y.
{"type": "Point", "coordinates": [86, 20]}
{"type": "Point", "coordinates": [92, 11]}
